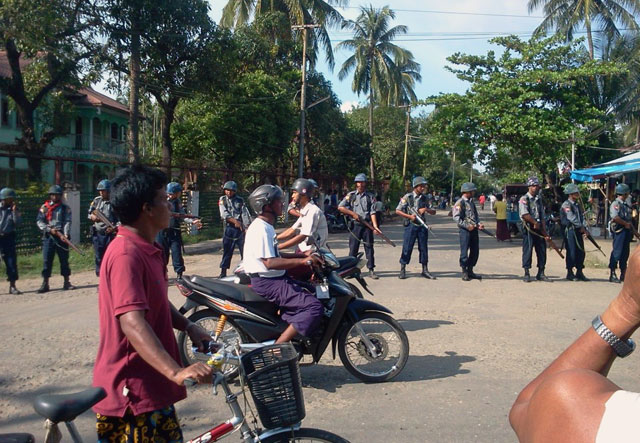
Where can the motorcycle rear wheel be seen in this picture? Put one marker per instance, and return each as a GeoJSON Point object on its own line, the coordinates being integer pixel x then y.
{"type": "Point", "coordinates": [390, 340]}
{"type": "Point", "coordinates": [208, 320]}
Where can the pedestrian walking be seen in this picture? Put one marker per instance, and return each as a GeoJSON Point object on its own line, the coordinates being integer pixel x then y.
{"type": "Point", "coordinates": [101, 233]}
{"type": "Point", "coordinates": [54, 219]}
{"type": "Point", "coordinates": [465, 214]}
{"type": "Point", "coordinates": [9, 220]}
{"type": "Point", "coordinates": [575, 231]}
{"type": "Point", "coordinates": [481, 200]}
{"type": "Point", "coordinates": [502, 228]}
{"type": "Point", "coordinates": [622, 232]}
{"type": "Point", "coordinates": [413, 229]}
{"type": "Point", "coordinates": [534, 235]}
{"type": "Point", "coordinates": [236, 219]}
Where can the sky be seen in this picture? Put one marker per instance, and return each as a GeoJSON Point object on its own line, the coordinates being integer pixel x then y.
{"type": "Point", "coordinates": [437, 29]}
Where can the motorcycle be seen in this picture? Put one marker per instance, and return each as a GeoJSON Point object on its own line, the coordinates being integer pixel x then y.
{"type": "Point", "coordinates": [371, 344]}
{"type": "Point", "coordinates": [335, 222]}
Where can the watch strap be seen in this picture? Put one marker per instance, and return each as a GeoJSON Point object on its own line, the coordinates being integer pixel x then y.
{"type": "Point", "coordinates": [621, 347]}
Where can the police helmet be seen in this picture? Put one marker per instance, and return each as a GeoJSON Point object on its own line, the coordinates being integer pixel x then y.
{"type": "Point", "coordinates": [571, 188]}
{"type": "Point", "coordinates": [417, 181]}
{"type": "Point", "coordinates": [533, 181]}
{"type": "Point", "coordinates": [55, 189]}
{"type": "Point", "coordinates": [360, 178]}
{"type": "Point", "coordinates": [173, 187]}
{"type": "Point", "coordinates": [231, 186]}
{"type": "Point", "coordinates": [622, 189]}
{"type": "Point", "coordinates": [7, 193]}
{"type": "Point", "coordinates": [468, 187]}
{"type": "Point", "coordinates": [104, 185]}
{"type": "Point", "coordinates": [303, 186]}
{"type": "Point", "coordinates": [263, 196]}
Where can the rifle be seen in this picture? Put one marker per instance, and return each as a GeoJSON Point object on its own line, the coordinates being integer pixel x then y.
{"type": "Point", "coordinates": [103, 218]}
{"type": "Point", "coordinates": [593, 241]}
{"type": "Point", "coordinates": [549, 239]}
{"type": "Point", "coordinates": [420, 220]}
{"type": "Point", "coordinates": [66, 241]}
{"type": "Point", "coordinates": [370, 226]}
{"type": "Point", "coordinates": [486, 231]}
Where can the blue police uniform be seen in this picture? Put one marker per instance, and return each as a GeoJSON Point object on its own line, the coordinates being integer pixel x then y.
{"type": "Point", "coordinates": [465, 214]}
{"type": "Point", "coordinates": [233, 237]}
{"type": "Point", "coordinates": [572, 220]}
{"type": "Point", "coordinates": [171, 238]}
{"type": "Point", "coordinates": [533, 206]}
{"type": "Point", "coordinates": [58, 216]}
{"type": "Point", "coordinates": [362, 204]}
{"type": "Point", "coordinates": [8, 221]}
{"type": "Point", "coordinates": [621, 236]}
{"type": "Point", "coordinates": [99, 236]}
{"type": "Point", "coordinates": [413, 231]}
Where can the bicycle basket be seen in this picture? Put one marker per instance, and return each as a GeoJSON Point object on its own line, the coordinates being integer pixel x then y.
{"type": "Point", "coordinates": [273, 376]}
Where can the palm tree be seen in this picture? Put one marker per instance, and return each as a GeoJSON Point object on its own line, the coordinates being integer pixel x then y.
{"type": "Point", "coordinates": [375, 58]}
{"type": "Point", "coordinates": [566, 16]}
{"type": "Point", "coordinates": [299, 12]}
{"type": "Point", "coordinates": [401, 90]}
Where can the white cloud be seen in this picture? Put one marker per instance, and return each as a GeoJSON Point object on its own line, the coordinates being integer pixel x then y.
{"type": "Point", "coordinates": [349, 105]}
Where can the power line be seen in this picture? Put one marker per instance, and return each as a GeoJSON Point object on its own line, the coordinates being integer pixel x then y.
{"type": "Point", "coordinates": [428, 11]}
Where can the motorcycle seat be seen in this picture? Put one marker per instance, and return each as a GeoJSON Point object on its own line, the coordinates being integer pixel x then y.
{"type": "Point", "coordinates": [66, 407]}
{"type": "Point", "coordinates": [348, 262]}
{"type": "Point", "coordinates": [231, 290]}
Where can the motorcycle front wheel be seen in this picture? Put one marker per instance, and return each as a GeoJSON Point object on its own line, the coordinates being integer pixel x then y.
{"type": "Point", "coordinates": [304, 434]}
{"type": "Point", "coordinates": [208, 320]}
{"type": "Point", "coordinates": [387, 337]}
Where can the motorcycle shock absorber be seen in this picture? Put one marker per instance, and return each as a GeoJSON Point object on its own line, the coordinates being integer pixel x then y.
{"type": "Point", "coordinates": [220, 327]}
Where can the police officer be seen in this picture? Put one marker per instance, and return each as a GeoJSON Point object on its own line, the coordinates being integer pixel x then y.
{"type": "Point", "coordinates": [235, 218]}
{"type": "Point", "coordinates": [171, 238]}
{"type": "Point", "coordinates": [101, 234]}
{"type": "Point", "coordinates": [466, 217]}
{"type": "Point", "coordinates": [622, 231]}
{"type": "Point", "coordinates": [360, 204]}
{"type": "Point", "coordinates": [9, 219]}
{"type": "Point", "coordinates": [418, 201]}
{"type": "Point", "coordinates": [575, 232]}
{"type": "Point", "coordinates": [54, 217]}
{"type": "Point", "coordinates": [531, 210]}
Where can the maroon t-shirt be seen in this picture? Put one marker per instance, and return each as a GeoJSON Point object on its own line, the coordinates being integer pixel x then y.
{"type": "Point", "coordinates": [133, 277]}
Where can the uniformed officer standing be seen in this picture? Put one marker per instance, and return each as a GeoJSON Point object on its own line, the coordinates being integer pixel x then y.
{"type": "Point", "coordinates": [418, 201]}
{"type": "Point", "coordinates": [531, 210]}
{"type": "Point", "coordinates": [101, 234]}
{"type": "Point", "coordinates": [575, 232]}
{"type": "Point", "coordinates": [171, 238]}
{"type": "Point", "coordinates": [54, 217]}
{"type": "Point", "coordinates": [621, 229]}
{"type": "Point", "coordinates": [235, 218]}
{"type": "Point", "coordinates": [360, 204]}
{"type": "Point", "coordinates": [466, 217]}
{"type": "Point", "coordinates": [9, 218]}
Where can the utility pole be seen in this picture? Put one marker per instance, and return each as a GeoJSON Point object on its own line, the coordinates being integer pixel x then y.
{"type": "Point", "coordinates": [303, 92]}
{"type": "Point", "coordinates": [406, 142]}
{"type": "Point", "coordinates": [453, 177]}
{"type": "Point", "coordinates": [573, 152]}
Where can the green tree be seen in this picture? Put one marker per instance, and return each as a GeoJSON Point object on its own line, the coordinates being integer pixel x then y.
{"type": "Point", "coordinates": [565, 16]}
{"type": "Point", "coordinates": [48, 45]}
{"type": "Point", "coordinates": [374, 58]}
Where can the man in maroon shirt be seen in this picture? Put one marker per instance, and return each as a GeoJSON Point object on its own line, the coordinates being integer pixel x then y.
{"type": "Point", "coordinates": [138, 360]}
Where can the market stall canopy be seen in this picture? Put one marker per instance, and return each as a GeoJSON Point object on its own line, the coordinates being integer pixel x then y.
{"type": "Point", "coordinates": [628, 163]}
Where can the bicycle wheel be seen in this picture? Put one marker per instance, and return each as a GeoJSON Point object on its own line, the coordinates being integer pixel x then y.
{"type": "Point", "coordinates": [304, 434]}
{"type": "Point", "coordinates": [208, 320]}
{"type": "Point", "coordinates": [389, 339]}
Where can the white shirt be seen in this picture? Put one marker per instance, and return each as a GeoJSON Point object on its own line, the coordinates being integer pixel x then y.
{"type": "Point", "coordinates": [260, 243]}
{"type": "Point", "coordinates": [312, 223]}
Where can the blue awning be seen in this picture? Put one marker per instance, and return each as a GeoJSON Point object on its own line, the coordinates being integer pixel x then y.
{"type": "Point", "coordinates": [629, 163]}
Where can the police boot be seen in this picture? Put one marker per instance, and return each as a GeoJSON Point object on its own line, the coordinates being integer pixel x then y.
{"type": "Point", "coordinates": [44, 287]}
{"type": "Point", "coordinates": [223, 273]}
{"type": "Point", "coordinates": [426, 273]}
{"type": "Point", "coordinates": [527, 276]}
{"type": "Point", "coordinates": [403, 272]}
{"type": "Point", "coordinates": [13, 289]}
{"type": "Point", "coordinates": [473, 275]}
{"type": "Point", "coordinates": [67, 286]}
{"type": "Point", "coordinates": [541, 276]}
{"type": "Point", "coordinates": [580, 275]}
{"type": "Point", "coordinates": [613, 278]}
{"type": "Point", "coordinates": [179, 275]}
{"type": "Point", "coordinates": [465, 275]}
{"type": "Point", "coordinates": [622, 273]}
{"type": "Point", "coordinates": [372, 274]}
{"type": "Point", "coordinates": [570, 275]}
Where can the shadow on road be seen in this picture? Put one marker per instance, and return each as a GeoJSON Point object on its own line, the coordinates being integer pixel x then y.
{"type": "Point", "coordinates": [418, 325]}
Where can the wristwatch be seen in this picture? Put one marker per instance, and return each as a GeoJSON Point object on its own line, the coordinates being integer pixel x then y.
{"type": "Point", "coordinates": [622, 348]}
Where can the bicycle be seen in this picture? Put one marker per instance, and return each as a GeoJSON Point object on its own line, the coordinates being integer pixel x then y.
{"type": "Point", "coordinates": [272, 373]}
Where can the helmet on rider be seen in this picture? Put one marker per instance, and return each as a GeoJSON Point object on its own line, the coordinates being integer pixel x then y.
{"type": "Point", "coordinates": [263, 196]}
{"type": "Point", "coordinates": [303, 186]}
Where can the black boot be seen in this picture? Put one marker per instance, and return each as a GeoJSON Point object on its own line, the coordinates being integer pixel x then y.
{"type": "Point", "coordinates": [570, 275]}
{"type": "Point", "coordinates": [372, 275]}
{"type": "Point", "coordinates": [13, 289]}
{"type": "Point", "coordinates": [44, 287]}
{"type": "Point", "coordinates": [426, 273]}
{"type": "Point", "coordinates": [622, 273]}
{"type": "Point", "coordinates": [465, 274]}
{"type": "Point", "coordinates": [223, 273]}
{"type": "Point", "coordinates": [541, 276]}
{"type": "Point", "coordinates": [179, 275]}
{"type": "Point", "coordinates": [613, 278]}
{"type": "Point", "coordinates": [580, 275]}
{"type": "Point", "coordinates": [527, 277]}
{"type": "Point", "coordinates": [473, 275]}
{"type": "Point", "coordinates": [67, 286]}
{"type": "Point", "coordinates": [403, 272]}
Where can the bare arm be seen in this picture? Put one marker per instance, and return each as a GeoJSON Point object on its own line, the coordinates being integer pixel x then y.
{"type": "Point", "coordinates": [292, 242]}
{"type": "Point", "coordinates": [285, 263]}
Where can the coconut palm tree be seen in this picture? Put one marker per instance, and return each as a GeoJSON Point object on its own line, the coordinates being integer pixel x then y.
{"type": "Point", "coordinates": [375, 58]}
{"type": "Point", "coordinates": [401, 90]}
{"type": "Point", "coordinates": [565, 16]}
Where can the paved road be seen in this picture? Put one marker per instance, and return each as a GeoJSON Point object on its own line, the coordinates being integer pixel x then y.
{"type": "Point", "coordinates": [473, 346]}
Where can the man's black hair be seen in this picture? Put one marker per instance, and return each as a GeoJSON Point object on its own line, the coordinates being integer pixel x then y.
{"type": "Point", "coordinates": [132, 187]}
{"type": "Point", "coordinates": [499, 197]}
